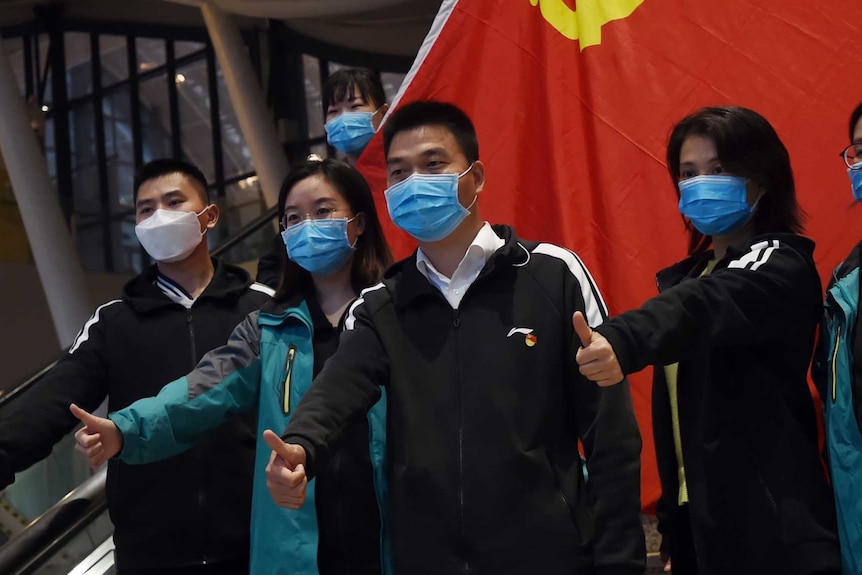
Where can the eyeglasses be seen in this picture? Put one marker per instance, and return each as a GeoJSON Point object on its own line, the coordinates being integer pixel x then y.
{"type": "Point", "coordinates": [852, 155]}
{"type": "Point", "coordinates": [291, 218]}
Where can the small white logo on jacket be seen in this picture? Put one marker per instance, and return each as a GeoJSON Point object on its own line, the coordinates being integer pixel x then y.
{"type": "Point", "coordinates": [529, 337]}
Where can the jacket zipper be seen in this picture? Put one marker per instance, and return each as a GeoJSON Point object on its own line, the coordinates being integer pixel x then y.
{"type": "Point", "coordinates": [201, 493]}
{"type": "Point", "coordinates": [288, 373]}
{"type": "Point", "coordinates": [456, 322]}
{"type": "Point", "coordinates": [834, 360]}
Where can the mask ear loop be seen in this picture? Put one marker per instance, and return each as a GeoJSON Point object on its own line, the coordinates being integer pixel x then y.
{"type": "Point", "coordinates": [199, 214]}
{"type": "Point", "coordinates": [461, 175]}
{"type": "Point", "coordinates": [353, 245]}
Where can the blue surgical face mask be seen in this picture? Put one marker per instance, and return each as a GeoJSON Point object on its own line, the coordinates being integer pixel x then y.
{"type": "Point", "coordinates": [319, 246]}
{"type": "Point", "coordinates": [426, 206]}
{"type": "Point", "coordinates": [856, 182]}
{"type": "Point", "coordinates": [716, 205]}
{"type": "Point", "coordinates": [350, 132]}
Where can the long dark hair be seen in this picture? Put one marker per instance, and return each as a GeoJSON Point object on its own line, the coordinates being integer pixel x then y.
{"type": "Point", "coordinates": [747, 146]}
{"type": "Point", "coordinates": [372, 255]}
{"type": "Point", "coordinates": [854, 119]}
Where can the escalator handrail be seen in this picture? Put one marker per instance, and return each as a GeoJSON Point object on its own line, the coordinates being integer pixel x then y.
{"type": "Point", "coordinates": [8, 396]}
{"type": "Point", "coordinates": [48, 533]}
{"type": "Point", "coordinates": [247, 230]}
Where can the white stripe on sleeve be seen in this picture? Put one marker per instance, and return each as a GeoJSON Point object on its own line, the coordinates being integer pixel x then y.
{"type": "Point", "coordinates": [262, 288]}
{"type": "Point", "coordinates": [596, 310]}
{"type": "Point", "coordinates": [85, 331]}
{"type": "Point", "coordinates": [350, 322]}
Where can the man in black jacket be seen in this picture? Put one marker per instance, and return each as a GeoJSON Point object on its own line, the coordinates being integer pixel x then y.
{"type": "Point", "coordinates": [472, 338]}
{"type": "Point", "coordinates": [189, 513]}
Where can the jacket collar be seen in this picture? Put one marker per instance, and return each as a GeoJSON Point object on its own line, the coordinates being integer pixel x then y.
{"type": "Point", "coordinates": [406, 282]}
{"type": "Point", "coordinates": [694, 265]}
{"type": "Point", "coordinates": [303, 304]}
{"type": "Point", "coordinates": [854, 258]}
{"type": "Point", "coordinates": [228, 283]}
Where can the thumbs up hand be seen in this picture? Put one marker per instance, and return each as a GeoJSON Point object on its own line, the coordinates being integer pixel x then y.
{"type": "Point", "coordinates": [596, 358]}
{"type": "Point", "coordinates": [99, 440]}
{"type": "Point", "coordinates": [285, 474]}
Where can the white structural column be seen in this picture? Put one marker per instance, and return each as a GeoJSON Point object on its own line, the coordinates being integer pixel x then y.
{"type": "Point", "coordinates": [56, 260]}
{"type": "Point", "coordinates": [248, 101]}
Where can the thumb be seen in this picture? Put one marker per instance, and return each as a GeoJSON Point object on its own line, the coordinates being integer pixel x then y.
{"type": "Point", "coordinates": [85, 417]}
{"type": "Point", "coordinates": [585, 333]}
{"type": "Point", "coordinates": [293, 455]}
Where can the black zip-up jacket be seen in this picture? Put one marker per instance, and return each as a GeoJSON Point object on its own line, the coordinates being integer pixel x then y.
{"type": "Point", "coordinates": [348, 515]}
{"type": "Point", "coordinates": [187, 510]}
{"type": "Point", "coordinates": [743, 335]}
{"type": "Point", "coordinates": [485, 408]}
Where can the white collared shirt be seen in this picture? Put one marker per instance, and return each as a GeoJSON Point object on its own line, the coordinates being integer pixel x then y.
{"type": "Point", "coordinates": [483, 247]}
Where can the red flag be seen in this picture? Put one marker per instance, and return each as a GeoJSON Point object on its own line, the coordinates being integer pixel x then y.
{"type": "Point", "coordinates": [573, 103]}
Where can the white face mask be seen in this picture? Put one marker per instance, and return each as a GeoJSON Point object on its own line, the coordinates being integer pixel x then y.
{"type": "Point", "coordinates": [170, 236]}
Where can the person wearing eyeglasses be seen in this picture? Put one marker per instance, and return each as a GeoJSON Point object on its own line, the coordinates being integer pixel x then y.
{"type": "Point", "coordinates": [730, 337]}
{"type": "Point", "coordinates": [335, 248]}
{"type": "Point", "coordinates": [839, 378]}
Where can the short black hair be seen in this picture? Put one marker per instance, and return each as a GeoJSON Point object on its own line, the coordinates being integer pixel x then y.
{"type": "Point", "coordinates": [747, 146]}
{"type": "Point", "coordinates": [432, 113]}
{"type": "Point", "coordinates": [165, 166]}
{"type": "Point", "coordinates": [346, 83]}
{"type": "Point", "coordinates": [854, 119]}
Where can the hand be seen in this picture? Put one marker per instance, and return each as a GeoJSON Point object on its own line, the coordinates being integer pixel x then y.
{"type": "Point", "coordinates": [596, 356]}
{"type": "Point", "coordinates": [665, 560]}
{"type": "Point", "coordinates": [285, 474]}
{"type": "Point", "coordinates": [99, 440]}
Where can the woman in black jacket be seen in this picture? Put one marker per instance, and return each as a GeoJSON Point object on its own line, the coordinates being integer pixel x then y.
{"type": "Point", "coordinates": [730, 336]}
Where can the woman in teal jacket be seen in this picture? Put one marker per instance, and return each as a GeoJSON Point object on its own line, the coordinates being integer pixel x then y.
{"type": "Point", "coordinates": [839, 379]}
{"type": "Point", "coordinates": [335, 248]}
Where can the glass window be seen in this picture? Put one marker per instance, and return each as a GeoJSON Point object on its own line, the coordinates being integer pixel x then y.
{"type": "Point", "coordinates": [85, 168]}
{"type": "Point", "coordinates": [114, 58]}
{"type": "Point", "coordinates": [185, 48]}
{"type": "Point", "coordinates": [235, 152]}
{"type": "Point", "coordinates": [119, 149]}
{"type": "Point", "coordinates": [150, 52]}
{"type": "Point", "coordinates": [155, 118]}
{"type": "Point", "coordinates": [41, 53]}
{"type": "Point", "coordinates": [242, 204]}
{"type": "Point", "coordinates": [313, 96]}
{"type": "Point", "coordinates": [49, 146]}
{"type": "Point", "coordinates": [391, 84]}
{"type": "Point", "coordinates": [79, 70]}
{"type": "Point", "coordinates": [195, 120]}
{"type": "Point", "coordinates": [335, 67]}
{"type": "Point", "coordinates": [129, 257]}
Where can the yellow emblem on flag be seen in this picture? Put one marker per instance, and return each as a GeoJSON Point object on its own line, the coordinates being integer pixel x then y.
{"type": "Point", "coordinates": [585, 23]}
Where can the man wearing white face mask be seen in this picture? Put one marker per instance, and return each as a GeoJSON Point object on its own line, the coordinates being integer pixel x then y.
{"type": "Point", "coordinates": [188, 514]}
{"type": "Point", "coordinates": [473, 338]}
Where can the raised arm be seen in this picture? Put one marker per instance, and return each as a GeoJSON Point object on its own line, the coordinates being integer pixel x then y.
{"type": "Point", "coordinates": [34, 422]}
{"type": "Point", "coordinates": [226, 381]}
{"type": "Point", "coordinates": [346, 388]}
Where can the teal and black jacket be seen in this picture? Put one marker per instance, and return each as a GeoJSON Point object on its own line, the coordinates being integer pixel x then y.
{"type": "Point", "coordinates": [268, 363]}
{"type": "Point", "coordinates": [839, 379]}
